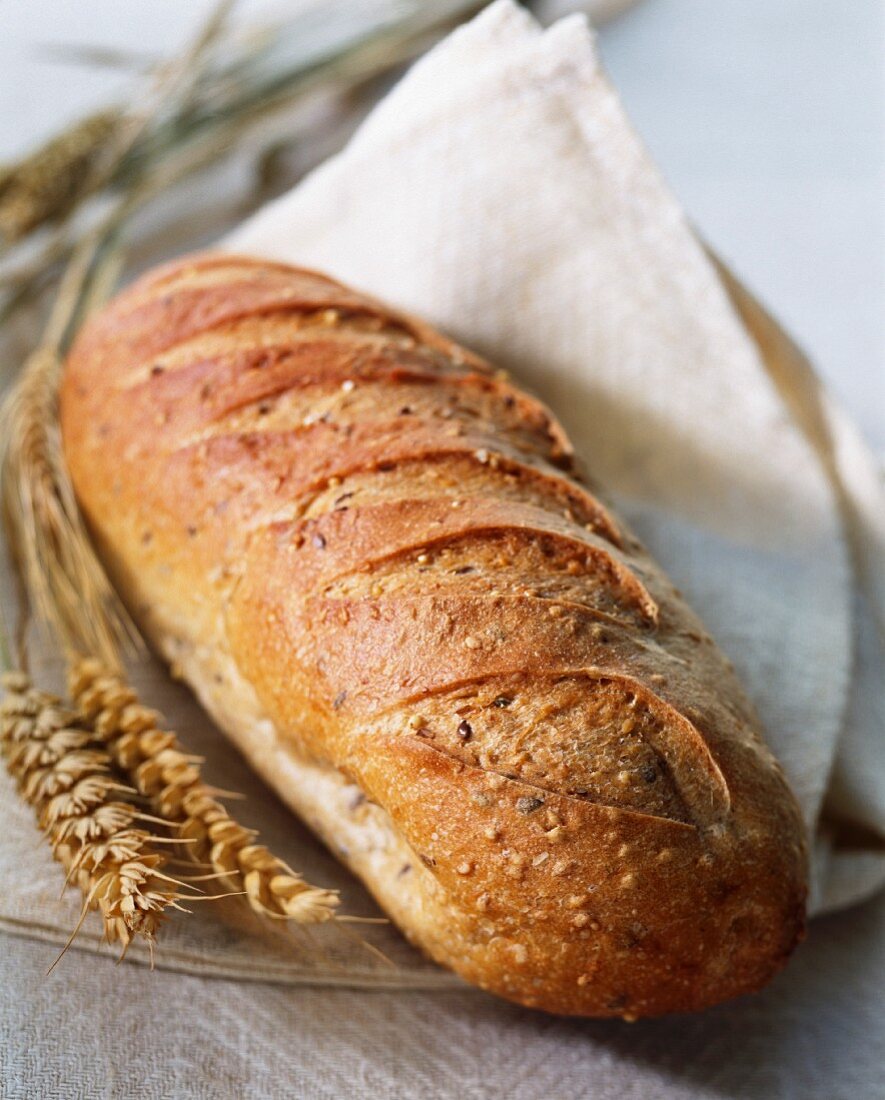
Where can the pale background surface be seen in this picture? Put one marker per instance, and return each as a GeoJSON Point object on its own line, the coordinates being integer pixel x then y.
{"type": "Point", "coordinates": [766, 143]}
{"type": "Point", "coordinates": [767, 119]}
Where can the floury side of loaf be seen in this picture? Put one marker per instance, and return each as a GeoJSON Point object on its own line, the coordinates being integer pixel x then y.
{"type": "Point", "coordinates": [375, 560]}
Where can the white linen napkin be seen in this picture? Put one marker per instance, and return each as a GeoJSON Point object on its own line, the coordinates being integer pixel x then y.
{"type": "Point", "coordinates": [500, 192]}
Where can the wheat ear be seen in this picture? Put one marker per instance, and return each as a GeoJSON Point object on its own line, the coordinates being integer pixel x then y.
{"type": "Point", "coordinates": [170, 779]}
{"type": "Point", "coordinates": [62, 575]}
{"type": "Point", "coordinates": [46, 185]}
{"type": "Point", "coordinates": [65, 774]}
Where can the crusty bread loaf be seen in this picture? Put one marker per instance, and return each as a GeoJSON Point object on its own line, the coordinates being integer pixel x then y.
{"type": "Point", "coordinates": [374, 561]}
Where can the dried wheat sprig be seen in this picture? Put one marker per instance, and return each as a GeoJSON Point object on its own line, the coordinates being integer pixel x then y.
{"type": "Point", "coordinates": [237, 85]}
{"type": "Point", "coordinates": [45, 186]}
{"type": "Point", "coordinates": [61, 572]}
{"type": "Point", "coordinates": [49, 184]}
{"type": "Point", "coordinates": [64, 773]}
{"type": "Point", "coordinates": [62, 576]}
{"type": "Point", "coordinates": [115, 164]}
{"type": "Point", "coordinates": [170, 779]}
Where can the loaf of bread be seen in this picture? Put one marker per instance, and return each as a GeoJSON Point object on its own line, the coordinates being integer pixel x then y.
{"type": "Point", "coordinates": [374, 560]}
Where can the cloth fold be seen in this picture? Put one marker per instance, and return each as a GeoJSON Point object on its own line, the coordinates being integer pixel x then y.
{"type": "Point", "coordinates": [499, 192]}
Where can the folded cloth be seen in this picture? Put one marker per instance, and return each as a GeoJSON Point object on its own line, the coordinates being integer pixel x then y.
{"type": "Point", "coordinates": [500, 192]}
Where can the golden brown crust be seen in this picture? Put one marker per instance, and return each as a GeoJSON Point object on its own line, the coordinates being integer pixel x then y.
{"type": "Point", "coordinates": [375, 561]}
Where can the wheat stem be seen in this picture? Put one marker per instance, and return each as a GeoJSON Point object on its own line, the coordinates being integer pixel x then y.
{"type": "Point", "coordinates": [5, 643]}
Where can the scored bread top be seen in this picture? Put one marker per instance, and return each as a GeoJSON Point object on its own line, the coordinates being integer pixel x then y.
{"type": "Point", "coordinates": [399, 553]}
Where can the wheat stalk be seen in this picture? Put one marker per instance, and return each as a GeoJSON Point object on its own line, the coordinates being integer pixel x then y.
{"type": "Point", "coordinates": [246, 82]}
{"type": "Point", "coordinates": [62, 576]}
{"type": "Point", "coordinates": [75, 769]}
{"type": "Point", "coordinates": [170, 779]}
{"type": "Point", "coordinates": [74, 772]}
{"type": "Point", "coordinates": [61, 573]}
{"type": "Point", "coordinates": [46, 186]}
{"type": "Point", "coordinates": [64, 773]}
